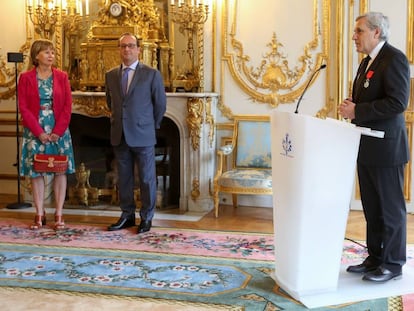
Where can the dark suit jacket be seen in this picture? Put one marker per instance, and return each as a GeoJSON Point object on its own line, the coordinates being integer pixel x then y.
{"type": "Point", "coordinates": [381, 106]}
{"type": "Point", "coordinates": [29, 101]}
{"type": "Point", "coordinates": [139, 113]}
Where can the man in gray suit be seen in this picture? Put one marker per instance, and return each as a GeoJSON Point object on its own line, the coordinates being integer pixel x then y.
{"type": "Point", "coordinates": [136, 97]}
{"type": "Point", "coordinates": [380, 96]}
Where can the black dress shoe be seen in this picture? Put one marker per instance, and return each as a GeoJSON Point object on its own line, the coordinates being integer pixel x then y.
{"type": "Point", "coordinates": [144, 226]}
{"type": "Point", "coordinates": [364, 267]}
{"type": "Point", "coordinates": [122, 223]}
{"type": "Point", "coordinates": [381, 275]}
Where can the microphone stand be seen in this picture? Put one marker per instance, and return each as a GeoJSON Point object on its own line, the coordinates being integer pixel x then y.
{"type": "Point", "coordinates": [17, 58]}
{"type": "Point", "coordinates": [307, 85]}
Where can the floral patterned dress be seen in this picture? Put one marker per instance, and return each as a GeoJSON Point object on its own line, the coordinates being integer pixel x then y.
{"type": "Point", "coordinates": [31, 145]}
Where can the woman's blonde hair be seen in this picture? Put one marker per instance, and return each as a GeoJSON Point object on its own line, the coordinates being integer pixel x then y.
{"type": "Point", "coordinates": [38, 46]}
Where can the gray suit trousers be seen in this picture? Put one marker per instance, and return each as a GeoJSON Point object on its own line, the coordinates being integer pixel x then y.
{"type": "Point", "coordinates": [144, 157]}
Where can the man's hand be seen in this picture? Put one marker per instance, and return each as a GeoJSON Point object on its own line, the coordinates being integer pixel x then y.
{"type": "Point", "coordinates": [347, 109]}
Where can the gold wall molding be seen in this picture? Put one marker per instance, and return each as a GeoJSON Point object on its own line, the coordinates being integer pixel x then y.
{"type": "Point", "coordinates": [274, 81]}
{"type": "Point", "coordinates": [209, 119]}
{"type": "Point", "coordinates": [410, 31]}
{"type": "Point", "coordinates": [224, 109]}
{"type": "Point", "coordinates": [409, 120]}
{"type": "Point", "coordinates": [326, 33]}
{"type": "Point", "coordinates": [347, 17]}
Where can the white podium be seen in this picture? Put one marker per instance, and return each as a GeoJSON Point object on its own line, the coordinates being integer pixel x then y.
{"type": "Point", "coordinates": [313, 163]}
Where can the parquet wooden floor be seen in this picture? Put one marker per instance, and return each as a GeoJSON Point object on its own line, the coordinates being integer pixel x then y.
{"type": "Point", "coordinates": [245, 219]}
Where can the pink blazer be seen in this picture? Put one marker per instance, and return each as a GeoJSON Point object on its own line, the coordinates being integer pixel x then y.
{"type": "Point", "coordinates": [29, 101]}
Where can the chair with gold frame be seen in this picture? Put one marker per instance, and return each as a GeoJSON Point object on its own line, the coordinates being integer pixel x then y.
{"type": "Point", "coordinates": [251, 164]}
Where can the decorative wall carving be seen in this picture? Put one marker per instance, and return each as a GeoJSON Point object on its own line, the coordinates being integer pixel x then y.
{"type": "Point", "coordinates": [273, 80]}
{"type": "Point", "coordinates": [199, 112]}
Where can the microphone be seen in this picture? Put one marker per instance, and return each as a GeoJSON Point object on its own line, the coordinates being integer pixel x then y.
{"type": "Point", "coordinates": [307, 85]}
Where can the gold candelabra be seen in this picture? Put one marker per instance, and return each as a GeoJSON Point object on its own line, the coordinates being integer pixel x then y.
{"type": "Point", "coordinates": [44, 15]}
{"type": "Point", "coordinates": [64, 16]}
{"type": "Point", "coordinates": [189, 14]}
{"type": "Point", "coordinates": [73, 19]}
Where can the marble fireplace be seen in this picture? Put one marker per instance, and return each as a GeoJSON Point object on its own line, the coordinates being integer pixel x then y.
{"type": "Point", "coordinates": [194, 117]}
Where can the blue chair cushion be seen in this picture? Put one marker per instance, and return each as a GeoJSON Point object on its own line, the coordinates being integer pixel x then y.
{"type": "Point", "coordinates": [247, 178]}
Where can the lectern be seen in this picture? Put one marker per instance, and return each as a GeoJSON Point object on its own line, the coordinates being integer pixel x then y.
{"type": "Point", "coordinates": [313, 165]}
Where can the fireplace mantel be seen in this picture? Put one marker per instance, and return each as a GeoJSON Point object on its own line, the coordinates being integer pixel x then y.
{"type": "Point", "coordinates": [194, 114]}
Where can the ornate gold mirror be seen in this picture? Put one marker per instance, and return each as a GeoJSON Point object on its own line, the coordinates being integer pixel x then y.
{"type": "Point", "coordinates": [86, 34]}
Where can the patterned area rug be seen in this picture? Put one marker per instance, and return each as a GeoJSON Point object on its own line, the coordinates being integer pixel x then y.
{"type": "Point", "coordinates": [158, 240]}
{"type": "Point", "coordinates": [190, 266]}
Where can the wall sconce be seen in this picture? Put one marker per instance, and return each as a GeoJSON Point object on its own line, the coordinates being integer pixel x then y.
{"type": "Point", "coordinates": [190, 15]}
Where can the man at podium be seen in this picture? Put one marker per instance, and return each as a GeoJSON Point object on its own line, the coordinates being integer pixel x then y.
{"type": "Point", "coordinates": [380, 96]}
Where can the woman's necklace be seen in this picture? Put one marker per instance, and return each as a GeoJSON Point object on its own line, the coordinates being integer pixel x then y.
{"type": "Point", "coordinates": [43, 75]}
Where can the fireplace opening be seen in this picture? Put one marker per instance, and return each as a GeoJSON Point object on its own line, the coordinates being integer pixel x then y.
{"type": "Point", "coordinates": [91, 145]}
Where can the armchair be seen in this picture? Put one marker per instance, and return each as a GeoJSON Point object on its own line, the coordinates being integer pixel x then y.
{"type": "Point", "coordinates": [251, 164]}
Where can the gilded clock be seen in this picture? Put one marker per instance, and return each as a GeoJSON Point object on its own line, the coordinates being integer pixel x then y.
{"type": "Point", "coordinates": [115, 9]}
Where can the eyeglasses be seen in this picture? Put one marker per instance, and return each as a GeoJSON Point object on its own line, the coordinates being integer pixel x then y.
{"type": "Point", "coordinates": [129, 45]}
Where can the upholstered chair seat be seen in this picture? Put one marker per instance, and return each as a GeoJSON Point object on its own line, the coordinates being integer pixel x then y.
{"type": "Point", "coordinates": [247, 178]}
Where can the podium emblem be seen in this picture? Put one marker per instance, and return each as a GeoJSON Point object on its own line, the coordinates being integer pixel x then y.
{"type": "Point", "coordinates": [287, 145]}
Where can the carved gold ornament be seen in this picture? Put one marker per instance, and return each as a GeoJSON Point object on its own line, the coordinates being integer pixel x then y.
{"type": "Point", "coordinates": [273, 80]}
{"type": "Point", "coordinates": [143, 15]}
{"type": "Point", "coordinates": [94, 106]}
{"type": "Point", "coordinates": [195, 109]}
{"type": "Point", "coordinates": [195, 191]}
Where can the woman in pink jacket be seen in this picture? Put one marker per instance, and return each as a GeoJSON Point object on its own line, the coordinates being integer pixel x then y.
{"type": "Point", "coordinates": [45, 103]}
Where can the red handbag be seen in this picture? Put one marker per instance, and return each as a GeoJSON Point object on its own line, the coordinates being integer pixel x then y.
{"type": "Point", "coordinates": [50, 163]}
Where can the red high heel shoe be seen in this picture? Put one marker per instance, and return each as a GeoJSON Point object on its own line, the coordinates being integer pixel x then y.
{"type": "Point", "coordinates": [39, 222]}
{"type": "Point", "coordinates": [59, 223]}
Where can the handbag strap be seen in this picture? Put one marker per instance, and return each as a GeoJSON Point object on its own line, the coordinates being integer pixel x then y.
{"type": "Point", "coordinates": [55, 144]}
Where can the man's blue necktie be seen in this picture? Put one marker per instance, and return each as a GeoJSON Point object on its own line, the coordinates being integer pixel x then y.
{"type": "Point", "coordinates": [124, 80]}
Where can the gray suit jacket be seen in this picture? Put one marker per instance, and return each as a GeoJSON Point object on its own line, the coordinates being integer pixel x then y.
{"type": "Point", "coordinates": [139, 113]}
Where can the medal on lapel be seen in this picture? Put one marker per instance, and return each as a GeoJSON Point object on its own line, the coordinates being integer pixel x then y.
{"type": "Point", "coordinates": [369, 75]}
